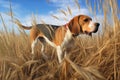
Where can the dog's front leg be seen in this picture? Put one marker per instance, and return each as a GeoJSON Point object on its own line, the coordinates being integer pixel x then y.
{"type": "Point", "coordinates": [59, 54]}
{"type": "Point", "coordinates": [33, 45]}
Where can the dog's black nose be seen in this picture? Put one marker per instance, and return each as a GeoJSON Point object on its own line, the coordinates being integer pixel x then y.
{"type": "Point", "coordinates": [97, 24]}
{"type": "Point", "coordinates": [96, 28]}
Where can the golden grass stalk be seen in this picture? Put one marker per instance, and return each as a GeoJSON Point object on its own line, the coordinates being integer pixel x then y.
{"type": "Point", "coordinates": [113, 8]}
{"type": "Point", "coordinates": [16, 21]}
{"type": "Point", "coordinates": [69, 10]}
{"type": "Point", "coordinates": [85, 72]}
{"type": "Point", "coordinates": [62, 11]}
{"type": "Point", "coordinates": [34, 22]}
{"type": "Point", "coordinates": [89, 6]}
{"type": "Point", "coordinates": [11, 12]}
{"type": "Point", "coordinates": [89, 59]}
{"type": "Point", "coordinates": [77, 3]}
{"type": "Point", "coordinates": [42, 21]}
{"type": "Point", "coordinates": [4, 25]}
{"type": "Point", "coordinates": [54, 16]}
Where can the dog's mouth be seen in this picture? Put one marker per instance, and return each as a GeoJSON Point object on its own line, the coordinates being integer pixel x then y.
{"type": "Point", "coordinates": [93, 31]}
{"type": "Point", "coordinates": [88, 33]}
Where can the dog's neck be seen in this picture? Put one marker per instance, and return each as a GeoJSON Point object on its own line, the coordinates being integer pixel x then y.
{"type": "Point", "coordinates": [66, 26]}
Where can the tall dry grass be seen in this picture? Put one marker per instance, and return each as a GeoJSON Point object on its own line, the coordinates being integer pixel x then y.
{"type": "Point", "coordinates": [96, 58]}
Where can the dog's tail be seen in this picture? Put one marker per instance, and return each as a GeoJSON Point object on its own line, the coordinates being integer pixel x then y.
{"type": "Point", "coordinates": [16, 21]}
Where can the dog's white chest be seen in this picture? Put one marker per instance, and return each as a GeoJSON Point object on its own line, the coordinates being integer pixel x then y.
{"type": "Point", "coordinates": [67, 38]}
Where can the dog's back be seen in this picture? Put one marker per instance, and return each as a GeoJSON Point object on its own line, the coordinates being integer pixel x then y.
{"type": "Point", "coordinates": [47, 30]}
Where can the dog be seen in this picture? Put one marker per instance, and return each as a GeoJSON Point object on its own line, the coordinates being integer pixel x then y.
{"type": "Point", "coordinates": [60, 36]}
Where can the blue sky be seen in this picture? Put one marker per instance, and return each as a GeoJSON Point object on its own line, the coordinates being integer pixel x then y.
{"type": "Point", "coordinates": [36, 6]}
{"type": "Point", "coordinates": [23, 10]}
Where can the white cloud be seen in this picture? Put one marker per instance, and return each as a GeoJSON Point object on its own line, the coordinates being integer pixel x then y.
{"type": "Point", "coordinates": [63, 19]}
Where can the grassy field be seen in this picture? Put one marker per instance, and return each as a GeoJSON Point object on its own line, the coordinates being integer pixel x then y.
{"type": "Point", "coordinates": [96, 58]}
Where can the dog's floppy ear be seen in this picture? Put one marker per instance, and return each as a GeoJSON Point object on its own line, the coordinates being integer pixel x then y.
{"type": "Point", "coordinates": [79, 24]}
{"type": "Point", "coordinates": [70, 24]}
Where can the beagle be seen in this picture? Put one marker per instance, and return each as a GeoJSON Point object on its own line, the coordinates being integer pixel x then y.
{"type": "Point", "coordinates": [60, 36]}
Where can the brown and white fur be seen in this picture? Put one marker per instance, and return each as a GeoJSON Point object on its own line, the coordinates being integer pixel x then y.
{"type": "Point", "coordinates": [60, 36]}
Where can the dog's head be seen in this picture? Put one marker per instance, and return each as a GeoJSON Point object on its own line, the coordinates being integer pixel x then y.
{"type": "Point", "coordinates": [83, 24]}
{"type": "Point", "coordinates": [87, 25]}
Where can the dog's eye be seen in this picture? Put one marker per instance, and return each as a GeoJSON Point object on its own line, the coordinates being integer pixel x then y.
{"type": "Point", "coordinates": [86, 20]}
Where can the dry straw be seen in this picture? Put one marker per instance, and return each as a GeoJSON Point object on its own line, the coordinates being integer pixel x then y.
{"type": "Point", "coordinates": [96, 58]}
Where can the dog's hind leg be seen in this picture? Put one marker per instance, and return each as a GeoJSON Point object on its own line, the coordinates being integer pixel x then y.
{"type": "Point", "coordinates": [42, 40]}
{"type": "Point", "coordinates": [42, 51]}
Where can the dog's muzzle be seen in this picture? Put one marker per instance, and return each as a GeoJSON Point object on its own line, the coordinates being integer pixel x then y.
{"type": "Point", "coordinates": [96, 28]}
